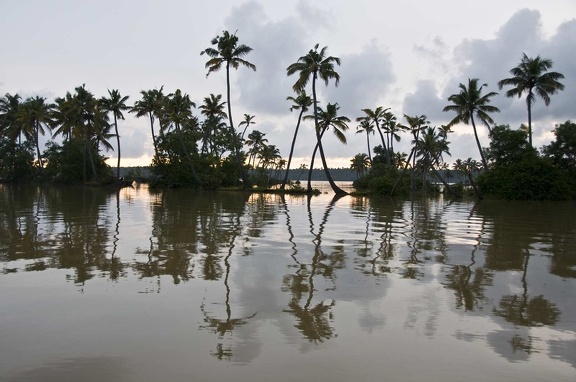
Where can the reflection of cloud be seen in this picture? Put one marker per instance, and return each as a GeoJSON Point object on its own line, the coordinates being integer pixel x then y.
{"type": "Point", "coordinates": [85, 369]}
{"type": "Point", "coordinates": [563, 350]}
{"type": "Point", "coordinates": [510, 345]}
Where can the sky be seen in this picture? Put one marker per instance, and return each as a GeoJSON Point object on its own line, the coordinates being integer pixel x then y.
{"type": "Point", "coordinates": [408, 56]}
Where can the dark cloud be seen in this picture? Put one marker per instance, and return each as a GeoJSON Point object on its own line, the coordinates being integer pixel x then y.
{"type": "Point", "coordinates": [425, 101]}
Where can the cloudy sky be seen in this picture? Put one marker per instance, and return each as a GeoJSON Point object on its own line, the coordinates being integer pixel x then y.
{"type": "Point", "coordinates": [409, 56]}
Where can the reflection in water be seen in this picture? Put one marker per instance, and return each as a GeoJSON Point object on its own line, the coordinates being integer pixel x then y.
{"type": "Point", "coordinates": [251, 270]}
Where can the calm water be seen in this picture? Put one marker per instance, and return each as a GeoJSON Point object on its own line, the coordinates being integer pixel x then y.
{"type": "Point", "coordinates": [99, 285]}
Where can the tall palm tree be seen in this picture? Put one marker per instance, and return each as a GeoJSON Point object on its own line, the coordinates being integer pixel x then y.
{"type": "Point", "coordinates": [248, 120]}
{"type": "Point", "coordinates": [302, 102]}
{"type": "Point", "coordinates": [376, 116]}
{"type": "Point", "coordinates": [228, 52]}
{"type": "Point", "coordinates": [316, 64]}
{"type": "Point", "coordinates": [366, 126]}
{"type": "Point", "coordinates": [115, 104]}
{"type": "Point", "coordinates": [257, 141]}
{"type": "Point", "coordinates": [470, 102]}
{"type": "Point", "coordinates": [531, 76]}
{"type": "Point", "coordinates": [149, 105]}
{"type": "Point", "coordinates": [33, 115]}
{"type": "Point", "coordinates": [392, 128]}
{"type": "Point", "coordinates": [326, 119]}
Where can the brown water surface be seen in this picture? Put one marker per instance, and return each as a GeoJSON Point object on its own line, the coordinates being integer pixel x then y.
{"type": "Point", "coordinates": [178, 285]}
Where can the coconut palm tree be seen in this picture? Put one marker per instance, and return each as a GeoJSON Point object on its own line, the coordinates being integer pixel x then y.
{"type": "Point", "coordinates": [213, 109]}
{"type": "Point", "coordinates": [248, 120]}
{"type": "Point", "coordinates": [229, 53]}
{"type": "Point", "coordinates": [470, 102]}
{"type": "Point", "coordinates": [376, 116]}
{"type": "Point", "coordinates": [367, 127]}
{"type": "Point", "coordinates": [360, 163]}
{"type": "Point", "coordinates": [302, 102]}
{"type": "Point", "coordinates": [33, 115]}
{"type": "Point", "coordinates": [430, 147]}
{"type": "Point", "coordinates": [326, 119]}
{"type": "Point", "coordinates": [257, 141]}
{"type": "Point", "coordinates": [532, 77]}
{"type": "Point", "coordinates": [316, 64]}
{"type": "Point", "coordinates": [179, 113]}
{"type": "Point", "coordinates": [9, 105]}
{"type": "Point", "coordinates": [149, 105]}
{"type": "Point", "coordinates": [115, 104]}
{"type": "Point", "coordinates": [392, 128]}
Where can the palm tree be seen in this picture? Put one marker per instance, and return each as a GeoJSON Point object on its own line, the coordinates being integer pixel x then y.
{"type": "Point", "coordinates": [115, 104]}
{"type": "Point", "coordinates": [376, 116]}
{"type": "Point", "coordinates": [150, 105]}
{"type": "Point", "coordinates": [430, 146]}
{"type": "Point", "coordinates": [360, 163]}
{"type": "Point", "coordinates": [179, 113]}
{"type": "Point", "coordinates": [327, 119]}
{"type": "Point", "coordinates": [315, 64]}
{"type": "Point", "coordinates": [9, 106]}
{"type": "Point", "coordinates": [392, 128]}
{"type": "Point", "coordinates": [213, 109]}
{"type": "Point", "coordinates": [531, 76]}
{"type": "Point", "coordinates": [257, 141]}
{"type": "Point", "coordinates": [302, 102]}
{"type": "Point", "coordinates": [470, 102]}
{"type": "Point", "coordinates": [32, 116]}
{"type": "Point", "coordinates": [248, 120]}
{"type": "Point", "coordinates": [228, 52]}
{"type": "Point", "coordinates": [367, 127]}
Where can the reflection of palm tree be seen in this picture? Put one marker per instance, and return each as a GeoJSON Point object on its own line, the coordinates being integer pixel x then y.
{"type": "Point", "coordinates": [313, 319]}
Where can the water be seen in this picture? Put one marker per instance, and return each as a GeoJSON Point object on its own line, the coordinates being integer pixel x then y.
{"type": "Point", "coordinates": [134, 285]}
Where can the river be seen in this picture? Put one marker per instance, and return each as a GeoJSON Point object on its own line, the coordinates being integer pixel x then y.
{"type": "Point", "coordinates": [178, 285]}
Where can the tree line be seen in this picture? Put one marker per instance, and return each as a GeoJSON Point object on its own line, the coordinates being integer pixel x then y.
{"type": "Point", "coordinates": [209, 151]}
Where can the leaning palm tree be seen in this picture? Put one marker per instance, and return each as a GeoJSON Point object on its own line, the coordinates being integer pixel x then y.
{"type": "Point", "coordinates": [302, 102]}
{"type": "Point", "coordinates": [531, 76]}
{"type": "Point", "coordinates": [326, 119]}
{"type": "Point", "coordinates": [315, 64]}
{"type": "Point", "coordinates": [470, 102]}
{"type": "Point", "coordinates": [367, 127]}
{"type": "Point", "coordinates": [248, 120]}
{"type": "Point", "coordinates": [115, 104]}
{"type": "Point", "coordinates": [228, 52]}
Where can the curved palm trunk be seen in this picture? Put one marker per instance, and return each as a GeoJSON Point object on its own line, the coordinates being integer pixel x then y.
{"type": "Point", "coordinates": [368, 142]}
{"type": "Point", "coordinates": [117, 144]}
{"type": "Point", "coordinates": [309, 187]}
{"type": "Point", "coordinates": [478, 144]}
{"type": "Point", "coordinates": [337, 190]}
{"type": "Point", "coordinates": [245, 180]}
{"type": "Point", "coordinates": [292, 149]}
{"type": "Point", "coordinates": [528, 98]}
{"type": "Point", "coordinates": [153, 135]}
{"type": "Point", "coordinates": [37, 142]}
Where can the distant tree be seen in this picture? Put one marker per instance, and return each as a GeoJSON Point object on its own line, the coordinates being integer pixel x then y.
{"type": "Point", "coordinates": [228, 52]}
{"type": "Point", "coordinates": [248, 120]}
{"type": "Point", "coordinates": [531, 76]}
{"type": "Point", "coordinates": [470, 102]}
{"type": "Point", "coordinates": [360, 163]}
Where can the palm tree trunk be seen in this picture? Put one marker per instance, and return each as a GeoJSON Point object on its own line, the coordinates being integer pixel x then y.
{"type": "Point", "coordinates": [529, 118]}
{"type": "Point", "coordinates": [245, 180]}
{"type": "Point", "coordinates": [118, 144]}
{"type": "Point", "coordinates": [37, 142]}
{"type": "Point", "coordinates": [337, 190]}
{"type": "Point", "coordinates": [153, 136]}
{"type": "Point", "coordinates": [368, 142]}
{"type": "Point", "coordinates": [187, 154]}
{"type": "Point", "coordinates": [478, 144]}
{"type": "Point", "coordinates": [388, 162]}
{"type": "Point", "coordinates": [292, 149]}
